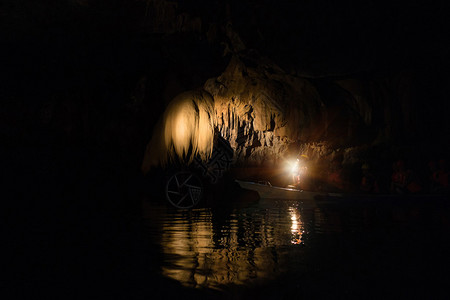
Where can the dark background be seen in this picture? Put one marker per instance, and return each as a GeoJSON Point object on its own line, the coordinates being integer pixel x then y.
{"type": "Point", "coordinates": [83, 83]}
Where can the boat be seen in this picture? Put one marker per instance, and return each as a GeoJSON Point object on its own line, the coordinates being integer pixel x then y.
{"type": "Point", "coordinates": [267, 191]}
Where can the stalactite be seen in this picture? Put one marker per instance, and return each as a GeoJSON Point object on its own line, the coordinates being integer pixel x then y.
{"type": "Point", "coordinates": [185, 130]}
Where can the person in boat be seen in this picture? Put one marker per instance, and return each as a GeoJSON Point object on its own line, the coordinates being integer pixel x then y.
{"type": "Point", "coordinates": [398, 178]}
{"type": "Point", "coordinates": [440, 177]}
{"type": "Point", "coordinates": [369, 182]}
{"type": "Point", "coordinates": [336, 178]}
{"type": "Point", "coordinates": [413, 182]}
{"type": "Point", "coordinates": [299, 171]}
{"type": "Point", "coordinates": [405, 181]}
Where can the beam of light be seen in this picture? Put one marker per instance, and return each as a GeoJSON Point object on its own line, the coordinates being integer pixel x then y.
{"type": "Point", "coordinates": [185, 130]}
{"type": "Point", "coordinates": [292, 166]}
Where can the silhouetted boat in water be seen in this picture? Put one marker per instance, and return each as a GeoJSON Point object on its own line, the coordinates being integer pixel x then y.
{"type": "Point", "coordinates": [267, 191]}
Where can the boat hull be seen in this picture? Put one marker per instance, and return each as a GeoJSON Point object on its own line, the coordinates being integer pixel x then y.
{"type": "Point", "coordinates": [324, 198]}
{"type": "Point", "coordinates": [273, 192]}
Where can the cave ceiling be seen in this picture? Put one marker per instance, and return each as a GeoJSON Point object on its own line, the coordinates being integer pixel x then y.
{"type": "Point", "coordinates": [312, 38]}
{"type": "Point", "coordinates": [370, 64]}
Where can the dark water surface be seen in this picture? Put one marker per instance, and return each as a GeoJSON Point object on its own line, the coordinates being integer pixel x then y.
{"type": "Point", "coordinates": [213, 248]}
{"type": "Point", "coordinates": [262, 249]}
{"type": "Point", "coordinates": [282, 249]}
{"type": "Point", "coordinates": [85, 232]}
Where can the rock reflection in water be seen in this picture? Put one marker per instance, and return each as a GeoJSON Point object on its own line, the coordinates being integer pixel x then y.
{"type": "Point", "coordinates": [208, 248]}
{"type": "Point", "coordinates": [282, 249]}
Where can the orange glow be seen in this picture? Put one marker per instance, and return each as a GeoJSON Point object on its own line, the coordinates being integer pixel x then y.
{"type": "Point", "coordinates": [187, 124]}
{"type": "Point", "coordinates": [201, 255]}
{"type": "Point", "coordinates": [296, 227]}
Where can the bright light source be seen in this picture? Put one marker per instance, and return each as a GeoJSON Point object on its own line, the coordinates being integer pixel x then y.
{"type": "Point", "coordinates": [292, 166]}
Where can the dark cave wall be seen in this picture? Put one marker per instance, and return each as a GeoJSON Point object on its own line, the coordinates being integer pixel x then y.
{"type": "Point", "coordinates": [100, 73]}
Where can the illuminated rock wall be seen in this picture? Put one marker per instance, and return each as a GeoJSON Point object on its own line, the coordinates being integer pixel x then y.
{"type": "Point", "coordinates": [286, 75]}
{"type": "Point", "coordinates": [261, 111]}
{"type": "Point", "coordinates": [268, 115]}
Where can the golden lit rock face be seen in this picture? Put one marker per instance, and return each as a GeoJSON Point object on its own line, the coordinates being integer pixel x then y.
{"type": "Point", "coordinates": [269, 116]}
{"type": "Point", "coordinates": [186, 129]}
{"type": "Point", "coordinates": [261, 110]}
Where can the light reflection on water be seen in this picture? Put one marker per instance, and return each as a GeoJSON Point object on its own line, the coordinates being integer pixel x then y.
{"type": "Point", "coordinates": [211, 247]}
{"type": "Point", "coordinates": [267, 240]}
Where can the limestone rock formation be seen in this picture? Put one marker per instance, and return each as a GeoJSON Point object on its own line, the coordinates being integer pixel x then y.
{"type": "Point", "coordinates": [185, 130]}
{"type": "Point", "coordinates": [295, 77]}
{"type": "Point", "coordinates": [261, 110]}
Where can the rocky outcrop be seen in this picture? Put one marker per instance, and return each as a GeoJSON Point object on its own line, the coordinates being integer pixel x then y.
{"type": "Point", "coordinates": [295, 77]}
{"type": "Point", "coordinates": [270, 116]}
{"type": "Point", "coordinates": [261, 110]}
